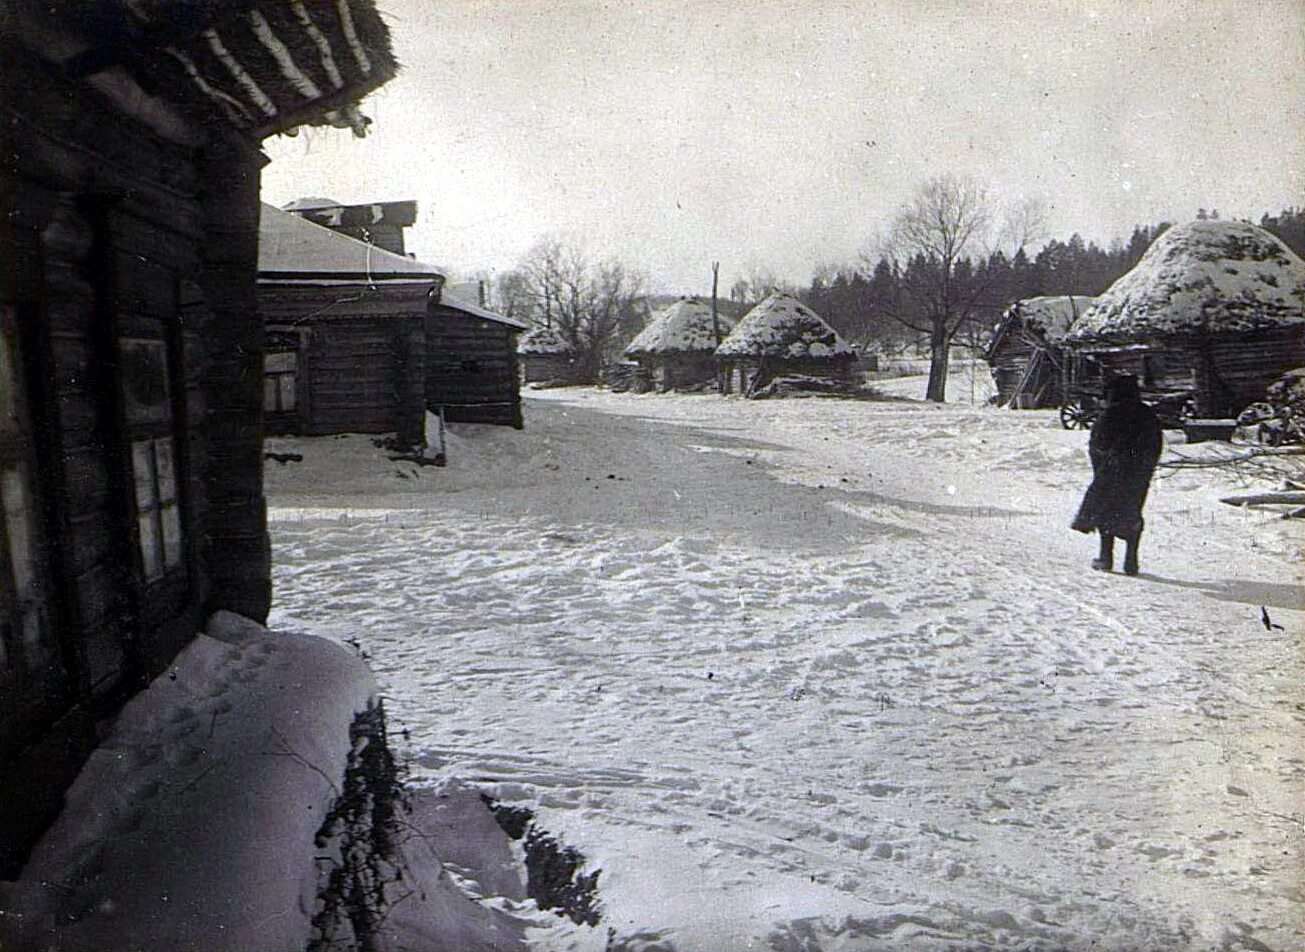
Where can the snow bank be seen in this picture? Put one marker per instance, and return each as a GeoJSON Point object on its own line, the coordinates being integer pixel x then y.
{"type": "Point", "coordinates": [1212, 276]}
{"type": "Point", "coordinates": [782, 326]}
{"type": "Point", "coordinates": [192, 825]}
{"type": "Point", "coordinates": [685, 327]}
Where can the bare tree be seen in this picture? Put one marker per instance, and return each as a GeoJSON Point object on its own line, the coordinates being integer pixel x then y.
{"type": "Point", "coordinates": [931, 243]}
{"type": "Point", "coordinates": [588, 304]}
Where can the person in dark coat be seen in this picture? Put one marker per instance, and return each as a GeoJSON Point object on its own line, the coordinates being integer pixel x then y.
{"type": "Point", "coordinates": [1125, 446]}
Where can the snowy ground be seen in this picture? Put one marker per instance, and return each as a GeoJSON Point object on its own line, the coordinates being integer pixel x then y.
{"type": "Point", "coordinates": [827, 674]}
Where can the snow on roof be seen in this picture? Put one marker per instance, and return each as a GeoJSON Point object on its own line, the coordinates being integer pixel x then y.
{"type": "Point", "coordinates": [782, 326]}
{"type": "Point", "coordinates": [684, 327]}
{"type": "Point", "coordinates": [543, 342]}
{"type": "Point", "coordinates": [288, 242]}
{"type": "Point", "coordinates": [1214, 276]}
{"type": "Point", "coordinates": [1051, 316]}
{"type": "Point", "coordinates": [310, 201]}
{"type": "Point", "coordinates": [462, 297]}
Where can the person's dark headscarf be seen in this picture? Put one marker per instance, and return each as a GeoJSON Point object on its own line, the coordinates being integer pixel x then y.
{"type": "Point", "coordinates": [1122, 390]}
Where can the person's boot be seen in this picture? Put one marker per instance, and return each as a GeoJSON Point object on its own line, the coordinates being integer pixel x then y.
{"type": "Point", "coordinates": [1105, 560]}
{"type": "Point", "coordinates": [1130, 552]}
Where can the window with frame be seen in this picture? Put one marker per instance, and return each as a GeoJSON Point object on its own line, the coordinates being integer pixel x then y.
{"type": "Point", "coordinates": [147, 404]}
{"type": "Point", "coordinates": [280, 380]}
{"type": "Point", "coordinates": [24, 612]}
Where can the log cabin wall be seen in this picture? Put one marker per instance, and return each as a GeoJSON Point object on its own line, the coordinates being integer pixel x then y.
{"type": "Point", "coordinates": [131, 423]}
{"type": "Point", "coordinates": [362, 363]}
{"type": "Point", "coordinates": [472, 368]}
{"type": "Point", "coordinates": [547, 368]}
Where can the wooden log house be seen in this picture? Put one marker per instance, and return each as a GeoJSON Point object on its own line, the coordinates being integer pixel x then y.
{"type": "Point", "coordinates": [1026, 352]}
{"type": "Point", "coordinates": [677, 350]}
{"type": "Point", "coordinates": [472, 372]}
{"type": "Point", "coordinates": [1214, 309]}
{"type": "Point", "coordinates": [782, 337]}
{"type": "Point", "coordinates": [346, 331]}
{"type": "Point", "coordinates": [547, 359]}
{"type": "Point", "coordinates": [130, 342]}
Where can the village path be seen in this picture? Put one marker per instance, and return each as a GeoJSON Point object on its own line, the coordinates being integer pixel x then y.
{"type": "Point", "coordinates": [818, 674]}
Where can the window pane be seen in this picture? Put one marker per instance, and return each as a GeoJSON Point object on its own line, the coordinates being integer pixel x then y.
{"type": "Point", "coordinates": [269, 394]}
{"type": "Point", "coordinates": [8, 387]}
{"type": "Point", "coordinates": [287, 392]}
{"type": "Point", "coordinates": [171, 535]}
{"type": "Point", "coordinates": [18, 528]}
{"type": "Point", "coordinates": [151, 560]}
{"type": "Point", "coordinates": [145, 380]}
{"type": "Point", "coordinates": [165, 470]}
{"type": "Point", "coordinates": [283, 362]}
{"type": "Point", "coordinates": [142, 471]}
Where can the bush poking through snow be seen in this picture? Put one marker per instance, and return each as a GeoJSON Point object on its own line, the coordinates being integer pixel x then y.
{"type": "Point", "coordinates": [360, 835]}
{"type": "Point", "coordinates": [553, 877]}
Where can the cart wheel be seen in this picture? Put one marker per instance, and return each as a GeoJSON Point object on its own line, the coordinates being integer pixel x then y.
{"type": "Point", "coordinates": [1074, 417]}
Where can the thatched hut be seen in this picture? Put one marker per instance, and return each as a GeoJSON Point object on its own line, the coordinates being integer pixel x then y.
{"type": "Point", "coordinates": [1215, 309]}
{"type": "Point", "coordinates": [547, 358]}
{"type": "Point", "coordinates": [677, 349]}
{"type": "Point", "coordinates": [782, 337]}
{"type": "Point", "coordinates": [1026, 352]}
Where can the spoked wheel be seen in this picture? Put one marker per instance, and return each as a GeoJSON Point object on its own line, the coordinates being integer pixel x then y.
{"type": "Point", "coordinates": [1074, 416]}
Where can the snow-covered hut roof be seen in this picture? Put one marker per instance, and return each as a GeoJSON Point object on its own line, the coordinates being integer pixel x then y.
{"type": "Point", "coordinates": [544, 342]}
{"type": "Point", "coordinates": [782, 326]}
{"type": "Point", "coordinates": [457, 297]}
{"type": "Point", "coordinates": [1050, 317]}
{"type": "Point", "coordinates": [1210, 276]}
{"type": "Point", "coordinates": [683, 328]}
{"type": "Point", "coordinates": [297, 249]}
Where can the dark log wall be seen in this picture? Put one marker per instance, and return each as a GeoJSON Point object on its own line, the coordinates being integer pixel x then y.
{"type": "Point", "coordinates": [364, 369]}
{"type": "Point", "coordinates": [547, 368]}
{"type": "Point", "coordinates": [1224, 373]}
{"type": "Point", "coordinates": [472, 368]}
{"type": "Point", "coordinates": [106, 234]}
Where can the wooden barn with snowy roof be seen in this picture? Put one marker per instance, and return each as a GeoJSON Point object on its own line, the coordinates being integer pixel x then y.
{"type": "Point", "coordinates": [1214, 309]}
{"type": "Point", "coordinates": [677, 350]}
{"type": "Point", "coordinates": [472, 372]}
{"type": "Point", "coordinates": [1026, 352]}
{"type": "Point", "coordinates": [547, 358]}
{"type": "Point", "coordinates": [131, 343]}
{"type": "Point", "coordinates": [346, 331]}
{"type": "Point", "coordinates": [782, 337]}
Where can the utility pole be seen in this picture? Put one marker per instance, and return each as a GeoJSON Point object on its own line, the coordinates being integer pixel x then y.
{"type": "Point", "coordinates": [715, 321]}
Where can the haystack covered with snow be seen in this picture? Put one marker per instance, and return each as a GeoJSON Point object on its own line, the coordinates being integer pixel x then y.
{"type": "Point", "coordinates": [781, 336]}
{"type": "Point", "coordinates": [1025, 352]}
{"type": "Point", "coordinates": [1214, 308]}
{"type": "Point", "coordinates": [677, 348]}
{"type": "Point", "coordinates": [546, 357]}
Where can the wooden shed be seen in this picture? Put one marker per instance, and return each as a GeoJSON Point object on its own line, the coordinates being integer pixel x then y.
{"type": "Point", "coordinates": [346, 332]}
{"type": "Point", "coordinates": [1026, 352]}
{"type": "Point", "coordinates": [782, 337]}
{"type": "Point", "coordinates": [472, 374]}
{"type": "Point", "coordinates": [547, 359]}
{"type": "Point", "coordinates": [130, 343]}
{"type": "Point", "coordinates": [1213, 309]}
{"type": "Point", "coordinates": [677, 350]}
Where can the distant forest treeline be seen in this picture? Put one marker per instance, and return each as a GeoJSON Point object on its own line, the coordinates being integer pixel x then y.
{"type": "Point", "coordinates": [871, 307]}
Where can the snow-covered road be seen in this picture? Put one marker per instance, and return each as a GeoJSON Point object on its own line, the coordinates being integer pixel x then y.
{"type": "Point", "coordinates": [828, 674]}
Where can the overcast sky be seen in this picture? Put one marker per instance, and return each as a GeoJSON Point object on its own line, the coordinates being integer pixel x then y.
{"type": "Point", "coordinates": [785, 133]}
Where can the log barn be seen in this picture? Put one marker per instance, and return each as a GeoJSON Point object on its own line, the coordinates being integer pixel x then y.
{"type": "Point", "coordinates": [131, 345]}
{"type": "Point", "coordinates": [472, 374]}
{"type": "Point", "coordinates": [677, 350]}
{"type": "Point", "coordinates": [782, 337]}
{"type": "Point", "coordinates": [547, 359]}
{"type": "Point", "coordinates": [1214, 309]}
{"type": "Point", "coordinates": [1026, 352]}
{"type": "Point", "coordinates": [346, 331]}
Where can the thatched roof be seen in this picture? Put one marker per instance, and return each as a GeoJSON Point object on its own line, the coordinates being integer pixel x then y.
{"type": "Point", "coordinates": [1204, 277]}
{"type": "Point", "coordinates": [1049, 317]}
{"type": "Point", "coordinates": [683, 328]}
{"type": "Point", "coordinates": [783, 327]}
{"type": "Point", "coordinates": [258, 66]}
{"type": "Point", "coordinates": [544, 342]}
